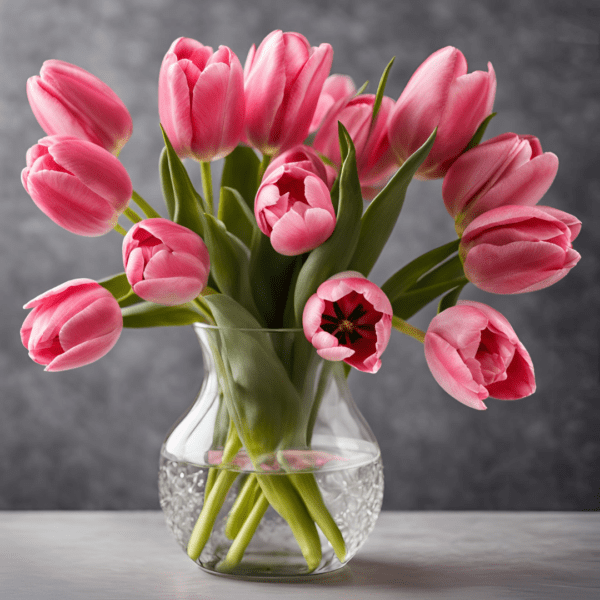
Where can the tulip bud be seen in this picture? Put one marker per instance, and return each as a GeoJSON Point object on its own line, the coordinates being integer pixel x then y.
{"type": "Point", "coordinates": [79, 185]}
{"type": "Point", "coordinates": [71, 325]}
{"type": "Point", "coordinates": [508, 169]}
{"type": "Point", "coordinates": [516, 249]}
{"type": "Point", "coordinates": [441, 94]}
{"type": "Point", "coordinates": [293, 207]}
{"type": "Point", "coordinates": [165, 262]}
{"type": "Point", "coordinates": [283, 79]}
{"type": "Point", "coordinates": [306, 158]}
{"type": "Point", "coordinates": [337, 88]}
{"type": "Point", "coordinates": [473, 352]}
{"type": "Point", "coordinates": [201, 99]}
{"type": "Point", "coordinates": [350, 319]}
{"type": "Point", "coordinates": [375, 160]}
{"type": "Point", "coordinates": [67, 100]}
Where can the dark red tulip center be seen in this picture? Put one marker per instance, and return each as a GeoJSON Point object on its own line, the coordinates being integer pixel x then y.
{"type": "Point", "coordinates": [351, 319]}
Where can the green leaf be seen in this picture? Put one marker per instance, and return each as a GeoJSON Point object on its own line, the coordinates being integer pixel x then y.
{"type": "Point", "coordinates": [451, 269]}
{"type": "Point", "coordinates": [166, 183]}
{"type": "Point", "coordinates": [343, 142]}
{"type": "Point", "coordinates": [451, 298]}
{"type": "Point", "coordinates": [409, 274]}
{"type": "Point", "coordinates": [265, 406]}
{"type": "Point", "coordinates": [240, 172]}
{"type": "Point", "coordinates": [229, 263]}
{"type": "Point", "coordinates": [271, 276]}
{"type": "Point", "coordinates": [334, 254]}
{"type": "Point", "coordinates": [148, 314]}
{"type": "Point", "coordinates": [381, 90]}
{"type": "Point", "coordinates": [186, 199]}
{"type": "Point", "coordinates": [476, 139]}
{"type": "Point", "coordinates": [446, 276]}
{"type": "Point", "coordinates": [412, 301]}
{"type": "Point", "coordinates": [235, 214]}
{"type": "Point", "coordinates": [117, 285]}
{"type": "Point", "coordinates": [362, 88]}
{"type": "Point", "coordinates": [382, 213]}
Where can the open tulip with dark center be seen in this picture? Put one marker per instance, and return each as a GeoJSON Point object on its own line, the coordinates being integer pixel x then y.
{"type": "Point", "coordinates": [349, 318]}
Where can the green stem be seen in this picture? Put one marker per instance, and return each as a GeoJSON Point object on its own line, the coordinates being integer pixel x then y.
{"type": "Point", "coordinates": [146, 208]}
{"type": "Point", "coordinates": [244, 536]}
{"type": "Point", "coordinates": [132, 215]}
{"type": "Point", "coordinates": [120, 229]}
{"type": "Point", "coordinates": [284, 498]}
{"type": "Point", "coordinates": [214, 502]}
{"type": "Point", "coordinates": [264, 163]}
{"type": "Point", "coordinates": [204, 308]}
{"type": "Point", "coordinates": [408, 329]}
{"type": "Point", "coordinates": [207, 186]}
{"type": "Point", "coordinates": [242, 507]}
{"type": "Point", "coordinates": [307, 487]}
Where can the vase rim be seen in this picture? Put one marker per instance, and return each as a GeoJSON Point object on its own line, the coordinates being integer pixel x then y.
{"type": "Point", "coordinates": [262, 329]}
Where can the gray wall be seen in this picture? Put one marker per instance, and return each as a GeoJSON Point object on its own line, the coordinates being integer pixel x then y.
{"type": "Point", "coordinates": [90, 438]}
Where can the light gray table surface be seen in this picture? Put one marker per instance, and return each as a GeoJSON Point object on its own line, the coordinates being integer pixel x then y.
{"type": "Point", "coordinates": [410, 555]}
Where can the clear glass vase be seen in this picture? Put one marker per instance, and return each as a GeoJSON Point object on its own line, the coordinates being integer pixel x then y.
{"type": "Point", "coordinates": [307, 503]}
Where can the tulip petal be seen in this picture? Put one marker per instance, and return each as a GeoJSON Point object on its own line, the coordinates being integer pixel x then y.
{"type": "Point", "coordinates": [293, 234]}
{"type": "Point", "coordinates": [52, 115]}
{"type": "Point", "coordinates": [525, 186]}
{"type": "Point", "coordinates": [207, 110]}
{"type": "Point", "coordinates": [169, 291]}
{"type": "Point", "coordinates": [264, 84]}
{"type": "Point", "coordinates": [451, 373]}
{"type": "Point", "coordinates": [99, 110]}
{"type": "Point", "coordinates": [181, 134]}
{"type": "Point", "coordinates": [96, 168]}
{"type": "Point", "coordinates": [71, 204]}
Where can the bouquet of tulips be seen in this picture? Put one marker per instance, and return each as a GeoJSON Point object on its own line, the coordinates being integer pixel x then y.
{"type": "Point", "coordinates": [296, 231]}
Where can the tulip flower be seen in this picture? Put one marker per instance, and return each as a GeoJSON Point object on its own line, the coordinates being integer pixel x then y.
{"type": "Point", "coordinates": [71, 325]}
{"type": "Point", "coordinates": [516, 249]}
{"type": "Point", "coordinates": [508, 169]}
{"type": "Point", "coordinates": [67, 100]}
{"type": "Point", "coordinates": [336, 89]}
{"type": "Point", "coordinates": [473, 353]}
{"type": "Point", "coordinates": [165, 263]}
{"type": "Point", "coordinates": [293, 207]}
{"type": "Point", "coordinates": [306, 158]}
{"type": "Point", "coordinates": [374, 158]}
{"type": "Point", "coordinates": [201, 99]}
{"type": "Point", "coordinates": [79, 185]}
{"type": "Point", "coordinates": [350, 319]}
{"type": "Point", "coordinates": [441, 94]}
{"type": "Point", "coordinates": [283, 79]}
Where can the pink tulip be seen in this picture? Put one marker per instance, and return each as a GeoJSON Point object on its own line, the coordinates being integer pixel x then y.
{"type": "Point", "coordinates": [441, 94]}
{"type": "Point", "coordinates": [516, 249]}
{"type": "Point", "coordinates": [67, 100]}
{"type": "Point", "coordinates": [165, 262]}
{"type": "Point", "coordinates": [293, 207]}
{"type": "Point", "coordinates": [350, 319]}
{"type": "Point", "coordinates": [374, 158]}
{"type": "Point", "coordinates": [201, 99]}
{"type": "Point", "coordinates": [71, 325]}
{"type": "Point", "coordinates": [473, 353]}
{"type": "Point", "coordinates": [508, 169]}
{"type": "Point", "coordinates": [336, 89]}
{"type": "Point", "coordinates": [283, 81]}
{"type": "Point", "coordinates": [79, 185]}
{"type": "Point", "coordinates": [306, 158]}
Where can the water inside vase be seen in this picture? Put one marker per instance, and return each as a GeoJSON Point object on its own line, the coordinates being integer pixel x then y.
{"type": "Point", "coordinates": [351, 484]}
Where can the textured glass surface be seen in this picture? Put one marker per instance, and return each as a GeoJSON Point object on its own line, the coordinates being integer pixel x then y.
{"type": "Point", "coordinates": [353, 494]}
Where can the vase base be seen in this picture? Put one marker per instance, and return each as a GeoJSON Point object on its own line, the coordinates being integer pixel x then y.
{"type": "Point", "coordinates": [289, 574]}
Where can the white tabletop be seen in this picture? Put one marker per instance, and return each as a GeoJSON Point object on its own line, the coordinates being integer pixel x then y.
{"type": "Point", "coordinates": [410, 555]}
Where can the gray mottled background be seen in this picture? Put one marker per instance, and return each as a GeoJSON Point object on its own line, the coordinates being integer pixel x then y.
{"type": "Point", "coordinates": [90, 438]}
